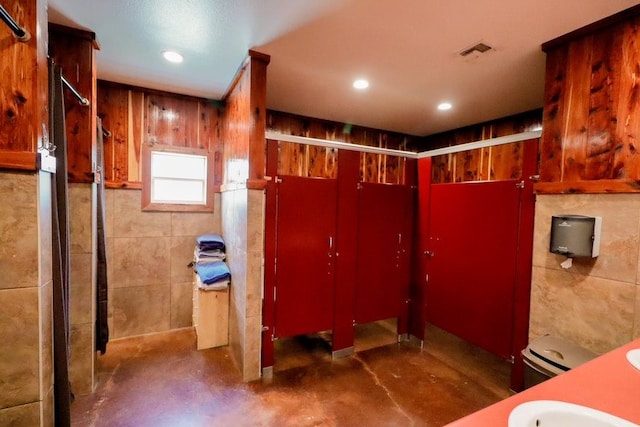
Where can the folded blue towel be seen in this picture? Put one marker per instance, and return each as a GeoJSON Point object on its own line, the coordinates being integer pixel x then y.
{"type": "Point", "coordinates": [208, 256]}
{"type": "Point", "coordinates": [211, 272]}
{"type": "Point", "coordinates": [209, 242]}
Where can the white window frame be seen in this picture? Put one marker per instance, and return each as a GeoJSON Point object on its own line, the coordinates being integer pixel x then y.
{"type": "Point", "coordinates": [149, 180]}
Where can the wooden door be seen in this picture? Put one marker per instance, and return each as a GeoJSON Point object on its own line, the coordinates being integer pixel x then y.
{"type": "Point", "coordinates": [306, 229]}
{"type": "Point", "coordinates": [472, 255]}
{"type": "Point", "coordinates": [382, 271]}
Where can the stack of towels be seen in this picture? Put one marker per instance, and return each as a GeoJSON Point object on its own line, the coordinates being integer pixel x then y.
{"type": "Point", "coordinates": [212, 272]}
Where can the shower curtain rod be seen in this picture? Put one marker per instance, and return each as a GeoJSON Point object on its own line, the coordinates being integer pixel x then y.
{"type": "Point", "coordinates": [20, 33]}
{"type": "Point", "coordinates": [84, 101]}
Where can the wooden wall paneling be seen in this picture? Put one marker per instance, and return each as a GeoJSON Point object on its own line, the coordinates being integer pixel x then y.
{"type": "Point", "coordinates": [554, 114]}
{"type": "Point", "coordinates": [287, 124]}
{"type": "Point", "coordinates": [518, 123]}
{"type": "Point", "coordinates": [133, 159]}
{"type": "Point", "coordinates": [315, 161]}
{"type": "Point", "coordinates": [331, 163]}
{"type": "Point", "coordinates": [382, 158]}
{"type": "Point", "coordinates": [19, 92]}
{"type": "Point", "coordinates": [403, 171]}
{"type": "Point", "coordinates": [483, 171]}
{"type": "Point", "coordinates": [206, 125]}
{"type": "Point", "coordinates": [208, 137]}
{"type": "Point", "coordinates": [218, 149]}
{"type": "Point", "coordinates": [473, 168]}
{"type": "Point", "coordinates": [465, 164]}
{"type": "Point", "coordinates": [506, 161]}
{"type": "Point", "coordinates": [373, 167]}
{"type": "Point", "coordinates": [170, 121]}
{"type": "Point", "coordinates": [369, 167]}
{"type": "Point", "coordinates": [316, 129]}
{"type": "Point", "coordinates": [469, 134]}
{"type": "Point", "coordinates": [626, 159]}
{"type": "Point", "coordinates": [591, 111]}
{"type": "Point", "coordinates": [291, 158]}
{"type": "Point", "coordinates": [460, 162]}
{"type": "Point", "coordinates": [125, 114]}
{"type": "Point", "coordinates": [258, 122]}
{"type": "Point", "coordinates": [440, 169]}
{"type": "Point", "coordinates": [485, 164]}
{"type": "Point", "coordinates": [451, 167]}
{"type": "Point", "coordinates": [113, 109]}
{"type": "Point", "coordinates": [392, 169]}
{"type": "Point", "coordinates": [577, 118]}
{"type": "Point", "coordinates": [72, 50]}
{"type": "Point", "coordinates": [605, 64]}
{"type": "Point", "coordinates": [24, 90]}
{"type": "Point", "coordinates": [235, 137]}
{"type": "Point", "coordinates": [40, 80]}
{"type": "Point", "coordinates": [245, 121]}
{"type": "Point", "coordinates": [368, 161]}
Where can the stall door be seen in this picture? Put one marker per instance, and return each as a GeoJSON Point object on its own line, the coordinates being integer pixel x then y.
{"type": "Point", "coordinates": [382, 271]}
{"type": "Point", "coordinates": [306, 229]}
{"type": "Point", "coordinates": [472, 261]}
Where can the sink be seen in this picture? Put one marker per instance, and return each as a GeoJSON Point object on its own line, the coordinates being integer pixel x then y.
{"type": "Point", "coordinates": [633, 356]}
{"type": "Point", "coordinates": [553, 413]}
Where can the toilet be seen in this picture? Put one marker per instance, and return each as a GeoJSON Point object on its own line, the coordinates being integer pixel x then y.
{"type": "Point", "coordinates": [548, 356]}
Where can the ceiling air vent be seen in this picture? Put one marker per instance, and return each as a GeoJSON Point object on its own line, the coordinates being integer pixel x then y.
{"type": "Point", "coordinates": [475, 50]}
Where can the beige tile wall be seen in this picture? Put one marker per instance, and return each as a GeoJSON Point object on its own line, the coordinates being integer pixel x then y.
{"type": "Point", "coordinates": [82, 234]}
{"type": "Point", "coordinates": [148, 252]}
{"type": "Point", "coordinates": [26, 374]}
{"type": "Point", "coordinates": [243, 228]}
{"type": "Point", "coordinates": [596, 302]}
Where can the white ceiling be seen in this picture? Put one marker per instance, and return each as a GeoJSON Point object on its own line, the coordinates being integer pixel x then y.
{"type": "Point", "coordinates": [408, 49]}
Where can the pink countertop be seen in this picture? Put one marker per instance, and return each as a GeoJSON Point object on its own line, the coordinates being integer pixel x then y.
{"type": "Point", "coordinates": [608, 383]}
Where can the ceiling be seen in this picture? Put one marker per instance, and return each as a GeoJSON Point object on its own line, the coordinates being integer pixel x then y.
{"type": "Point", "coordinates": [408, 50]}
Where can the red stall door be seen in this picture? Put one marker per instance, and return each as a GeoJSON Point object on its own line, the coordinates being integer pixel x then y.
{"type": "Point", "coordinates": [384, 215]}
{"type": "Point", "coordinates": [306, 229]}
{"type": "Point", "coordinates": [472, 263]}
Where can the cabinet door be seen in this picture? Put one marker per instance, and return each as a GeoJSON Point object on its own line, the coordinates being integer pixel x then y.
{"type": "Point", "coordinates": [306, 229]}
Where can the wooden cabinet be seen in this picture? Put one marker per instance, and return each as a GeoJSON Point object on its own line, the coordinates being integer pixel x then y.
{"type": "Point", "coordinates": [210, 316]}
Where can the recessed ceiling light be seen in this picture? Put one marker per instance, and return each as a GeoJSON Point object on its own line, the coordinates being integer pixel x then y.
{"type": "Point", "coordinates": [444, 106]}
{"type": "Point", "coordinates": [361, 84]}
{"type": "Point", "coordinates": [172, 56]}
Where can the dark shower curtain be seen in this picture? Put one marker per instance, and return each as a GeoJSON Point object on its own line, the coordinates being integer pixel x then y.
{"type": "Point", "coordinates": [102, 326]}
{"type": "Point", "coordinates": [61, 257]}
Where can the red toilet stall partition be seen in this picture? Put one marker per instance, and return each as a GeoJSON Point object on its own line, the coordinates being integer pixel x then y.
{"type": "Point", "coordinates": [337, 253]}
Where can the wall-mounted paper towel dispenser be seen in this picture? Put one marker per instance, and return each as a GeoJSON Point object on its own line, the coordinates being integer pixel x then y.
{"type": "Point", "coordinates": [575, 235]}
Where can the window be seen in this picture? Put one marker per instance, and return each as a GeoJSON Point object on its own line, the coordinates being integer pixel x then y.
{"type": "Point", "coordinates": [176, 179]}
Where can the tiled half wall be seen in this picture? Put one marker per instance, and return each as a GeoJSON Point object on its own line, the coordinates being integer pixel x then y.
{"type": "Point", "coordinates": [150, 285]}
{"type": "Point", "coordinates": [596, 302]}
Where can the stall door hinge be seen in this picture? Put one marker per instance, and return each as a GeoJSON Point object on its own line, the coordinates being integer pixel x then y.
{"type": "Point", "coordinates": [520, 184]}
{"type": "Point", "coordinates": [512, 359]}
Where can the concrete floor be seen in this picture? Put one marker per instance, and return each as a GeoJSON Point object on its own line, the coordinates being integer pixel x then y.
{"type": "Point", "coordinates": [162, 380]}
